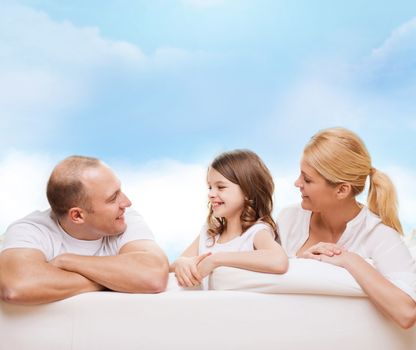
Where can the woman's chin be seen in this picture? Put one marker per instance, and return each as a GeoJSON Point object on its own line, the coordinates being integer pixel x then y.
{"type": "Point", "coordinates": [305, 205]}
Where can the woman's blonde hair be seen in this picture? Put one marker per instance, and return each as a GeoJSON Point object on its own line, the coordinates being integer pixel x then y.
{"type": "Point", "coordinates": [245, 169]}
{"type": "Point", "coordinates": [339, 155]}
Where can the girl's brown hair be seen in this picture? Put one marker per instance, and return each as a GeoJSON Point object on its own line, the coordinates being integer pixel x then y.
{"type": "Point", "coordinates": [245, 169]}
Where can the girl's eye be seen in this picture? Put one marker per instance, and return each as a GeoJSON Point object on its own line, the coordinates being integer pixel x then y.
{"type": "Point", "coordinates": [307, 181]}
{"type": "Point", "coordinates": [221, 187]}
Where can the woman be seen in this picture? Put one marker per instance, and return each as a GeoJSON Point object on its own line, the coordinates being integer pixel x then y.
{"type": "Point", "coordinates": [333, 227]}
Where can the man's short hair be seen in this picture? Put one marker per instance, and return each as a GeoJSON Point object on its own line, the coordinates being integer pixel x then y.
{"type": "Point", "coordinates": [65, 189]}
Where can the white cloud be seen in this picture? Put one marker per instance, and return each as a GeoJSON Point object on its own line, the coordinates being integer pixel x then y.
{"type": "Point", "coordinates": [23, 179]}
{"type": "Point", "coordinates": [49, 67]}
{"type": "Point", "coordinates": [404, 180]}
{"type": "Point", "coordinates": [401, 39]}
{"type": "Point", "coordinates": [391, 65]}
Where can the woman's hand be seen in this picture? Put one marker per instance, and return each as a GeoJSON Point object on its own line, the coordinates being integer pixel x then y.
{"type": "Point", "coordinates": [186, 270]}
{"type": "Point", "coordinates": [321, 249]}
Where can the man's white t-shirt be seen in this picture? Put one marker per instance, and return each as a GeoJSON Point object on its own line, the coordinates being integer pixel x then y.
{"type": "Point", "coordinates": [41, 230]}
{"type": "Point", "coordinates": [365, 235]}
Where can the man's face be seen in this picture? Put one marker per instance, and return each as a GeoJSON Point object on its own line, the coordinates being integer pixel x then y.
{"type": "Point", "coordinates": [107, 201]}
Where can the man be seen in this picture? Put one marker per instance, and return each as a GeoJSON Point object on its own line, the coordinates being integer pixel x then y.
{"type": "Point", "coordinates": [87, 241]}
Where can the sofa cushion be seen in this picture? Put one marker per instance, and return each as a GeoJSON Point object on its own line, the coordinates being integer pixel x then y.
{"type": "Point", "coordinates": [304, 276]}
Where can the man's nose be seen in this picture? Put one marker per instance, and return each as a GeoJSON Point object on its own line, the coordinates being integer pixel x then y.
{"type": "Point", "coordinates": [125, 201]}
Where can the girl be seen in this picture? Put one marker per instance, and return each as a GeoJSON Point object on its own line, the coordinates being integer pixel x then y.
{"type": "Point", "coordinates": [331, 226]}
{"type": "Point", "coordinates": [240, 231]}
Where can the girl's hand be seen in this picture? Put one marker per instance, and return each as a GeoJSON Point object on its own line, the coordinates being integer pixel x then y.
{"type": "Point", "coordinates": [186, 271]}
{"type": "Point", "coordinates": [322, 248]}
{"type": "Point", "coordinates": [206, 266]}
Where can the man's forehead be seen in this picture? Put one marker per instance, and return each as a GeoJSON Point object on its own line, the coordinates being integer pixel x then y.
{"type": "Point", "coordinates": [101, 178]}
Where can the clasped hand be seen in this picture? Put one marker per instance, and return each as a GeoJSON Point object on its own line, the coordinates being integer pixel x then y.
{"type": "Point", "coordinates": [190, 271]}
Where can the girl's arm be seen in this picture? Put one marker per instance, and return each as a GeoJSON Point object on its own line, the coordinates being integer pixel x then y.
{"type": "Point", "coordinates": [388, 298]}
{"type": "Point", "coordinates": [185, 267]}
{"type": "Point", "coordinates": [268, 257]}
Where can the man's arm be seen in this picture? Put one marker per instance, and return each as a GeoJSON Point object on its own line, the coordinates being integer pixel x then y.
{"type": "Point", "coordinates": [27, 278]}
{"type": "Point", "coordinates": [140, 267]}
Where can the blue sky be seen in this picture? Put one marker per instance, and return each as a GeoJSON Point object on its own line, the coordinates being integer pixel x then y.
{"type": "Point", "coordinates": [161, 84]}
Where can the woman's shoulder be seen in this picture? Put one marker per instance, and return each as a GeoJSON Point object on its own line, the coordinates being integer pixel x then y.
{"type": "Point", "coordinates": [292, 212]}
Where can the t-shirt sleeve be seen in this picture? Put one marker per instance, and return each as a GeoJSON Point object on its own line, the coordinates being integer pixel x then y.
{"type": "Point", "coordinates": [26, 235]}
{"type": "Point", "coordinates": [393, 260]}
{"type": "Point", "coordinates": [136, 229]}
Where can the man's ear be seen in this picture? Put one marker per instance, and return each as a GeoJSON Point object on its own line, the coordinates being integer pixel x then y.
{"type": "Point", "coordinates": [76, 215]}
{"type": "Point", "coordinates": [344, 190]}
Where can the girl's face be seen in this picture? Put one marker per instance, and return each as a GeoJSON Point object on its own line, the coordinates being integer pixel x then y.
{"type": "Point", "coordinates": [317, 194]}
{"type": "Point", "coordinates": [226, 198]}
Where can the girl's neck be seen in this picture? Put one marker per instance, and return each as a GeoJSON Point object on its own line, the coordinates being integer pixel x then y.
{"type": "Point", "coordinates": [334, 220]}
{"type": "Point", "coordinates": [233, 226]}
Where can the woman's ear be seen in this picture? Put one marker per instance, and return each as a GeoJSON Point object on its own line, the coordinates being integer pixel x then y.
{"type": "Point", "coordinates": [344, 190]}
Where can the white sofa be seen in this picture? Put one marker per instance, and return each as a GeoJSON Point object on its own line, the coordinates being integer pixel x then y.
{"type": "Point", "coordinates": [313, 306]}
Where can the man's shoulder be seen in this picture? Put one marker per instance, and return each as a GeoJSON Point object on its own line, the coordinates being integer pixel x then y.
{"type": "Point", "coordinates": [42, 220]}
{"type": "Point", "coordinates": [137, 228]}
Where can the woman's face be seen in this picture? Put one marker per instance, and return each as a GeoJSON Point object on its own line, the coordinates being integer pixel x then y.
{"type": "Point", "coordinates": [317, 194]}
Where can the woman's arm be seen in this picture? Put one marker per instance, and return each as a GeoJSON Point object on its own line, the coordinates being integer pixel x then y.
{"type": "Point", "coordinates": [387, 297]}
{"type": "Point", "coordinates": [268, 257]}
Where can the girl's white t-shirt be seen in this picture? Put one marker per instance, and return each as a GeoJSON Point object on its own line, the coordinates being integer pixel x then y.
{"type": "Point", "coordinates": [242, 243]}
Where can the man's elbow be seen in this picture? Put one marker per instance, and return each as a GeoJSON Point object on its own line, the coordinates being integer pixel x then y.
{"type": "Point", "coordinates": [158, 284]}
{"type": "Point", "coordinates": [155, 281]}
{"type": "Point", "coordinates": [408, 320]}
{"type": "Point", "coordinates": [13, 295]}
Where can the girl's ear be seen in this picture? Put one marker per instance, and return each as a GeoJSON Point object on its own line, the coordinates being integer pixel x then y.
{"type": "Point", "coordinates": [343, 190]}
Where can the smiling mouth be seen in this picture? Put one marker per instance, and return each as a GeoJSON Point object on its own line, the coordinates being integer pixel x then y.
{"type": "Point", "coordinates": [216, 205]}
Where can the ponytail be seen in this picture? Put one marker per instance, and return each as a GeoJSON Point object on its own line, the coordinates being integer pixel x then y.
{"type": "Point", "coordinates": [382, 199]}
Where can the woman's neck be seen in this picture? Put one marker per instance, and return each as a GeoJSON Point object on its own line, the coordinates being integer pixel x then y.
{"type": "Point", "coordinates": [334, 220]}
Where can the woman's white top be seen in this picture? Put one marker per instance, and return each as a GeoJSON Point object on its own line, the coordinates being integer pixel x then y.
{"type": "Point", "coordinates": [365, 235]}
